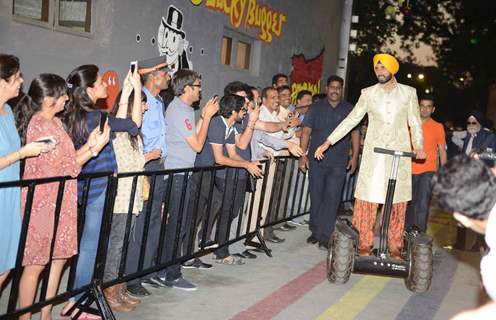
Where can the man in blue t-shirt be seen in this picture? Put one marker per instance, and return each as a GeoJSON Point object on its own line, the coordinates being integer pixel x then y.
{"type": "Point", "coordinates": [220, 149]}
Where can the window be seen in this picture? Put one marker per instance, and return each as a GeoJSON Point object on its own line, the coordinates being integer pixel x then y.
{"type": "Point", "coordinates": [240, 51]}
{"type": "Point", "coordinates": [243, 55]}
{"type": "Point", "coordinates": [225, 51]}
{"type": "Point", "coordinates": [73, 16]}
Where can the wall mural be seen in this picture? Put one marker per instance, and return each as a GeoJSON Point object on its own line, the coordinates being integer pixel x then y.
{"type": "Point", "coordinates": [306, 74]}
{"type": "Point", "coordinates": [171, 40]}
{"type": "Point", "coordinates": [268, 21]}
{"type": "Point", "coordinates": [111, 78]}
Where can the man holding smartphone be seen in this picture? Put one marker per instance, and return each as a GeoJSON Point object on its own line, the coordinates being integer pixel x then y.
{"type": "Point", "coordinates": [155, 78]}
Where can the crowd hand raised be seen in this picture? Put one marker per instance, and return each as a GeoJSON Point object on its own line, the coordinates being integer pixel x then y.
{"type": "Point", "coordinates": [295, 149]}
{"type": "Point", "coordinates": [135, 79]}
{"type": "Point", "coordinates": [253, 168]}
{"type": "Point", "coordinates": [211, 107]}
{"type": "Point", "coordinates": [319, 153]}
{"type": "Point", "coordinates": [253, 113]}
{"type": "Point", "coordinates": [419, 154]}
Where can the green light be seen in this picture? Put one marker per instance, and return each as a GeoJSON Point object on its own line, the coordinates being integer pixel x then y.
{"type": "Point", "coordinates": [474, 41]}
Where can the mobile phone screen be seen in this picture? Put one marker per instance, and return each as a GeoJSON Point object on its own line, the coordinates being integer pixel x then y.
{"type": "Point", "coordinates": [103, 119]}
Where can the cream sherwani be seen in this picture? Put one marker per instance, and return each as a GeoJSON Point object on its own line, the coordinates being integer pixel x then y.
{"type": "Point", "coordinates": [393, 116]}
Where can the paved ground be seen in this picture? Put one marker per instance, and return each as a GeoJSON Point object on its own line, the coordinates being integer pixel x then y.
{"type": "Point", "coordinates": [293, 285]}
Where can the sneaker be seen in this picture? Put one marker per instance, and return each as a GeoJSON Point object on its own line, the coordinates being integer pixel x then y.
{"type": "Point", "coordinates": [297, 223]}
{"type": "Point", "coordinates": [196, 264]}
{"type": "Point", "coordinates": [137, 290]}
{"type": "Point", "coordinates": [154, 282]}
{"type": "Point", "coordinates": [182, 284]}
{"type": "Point", "coordinates": [209, 244]}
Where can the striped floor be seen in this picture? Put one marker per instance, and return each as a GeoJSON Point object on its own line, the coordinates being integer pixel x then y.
{"type": "Point", "coordinates": [293, 285]}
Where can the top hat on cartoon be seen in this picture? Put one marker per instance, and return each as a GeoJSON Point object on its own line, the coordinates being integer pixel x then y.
{"type": "Point", "coordinates": [174, 20]}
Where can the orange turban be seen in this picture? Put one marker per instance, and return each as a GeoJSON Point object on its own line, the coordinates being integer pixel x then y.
{"type": "Point", "coordinates": [388, 61]}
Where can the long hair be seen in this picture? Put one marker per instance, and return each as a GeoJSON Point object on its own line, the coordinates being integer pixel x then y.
{"type": "Point", "coordinates": [131, 106]}
{"type": "Point", "coordinates": [74, 117]}
{"type": "Point", "coordinates": [9, 65]}
{"type": "Point", "coordinates": [44, 85]}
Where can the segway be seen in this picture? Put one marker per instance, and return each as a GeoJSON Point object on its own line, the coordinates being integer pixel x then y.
{"type": "Point", "coordinates": [343, 255]}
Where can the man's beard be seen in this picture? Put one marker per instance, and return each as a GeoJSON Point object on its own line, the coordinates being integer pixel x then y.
{"type": "Point", "coordinates": [382, 81]}
{"type": "Point", "coordinates": [473, 130]}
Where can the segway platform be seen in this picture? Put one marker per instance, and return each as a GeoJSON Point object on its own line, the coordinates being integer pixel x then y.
{"type": "Point", "coordinates": [343, 256]}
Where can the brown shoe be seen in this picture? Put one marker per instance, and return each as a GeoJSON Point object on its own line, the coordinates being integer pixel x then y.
{"type": "Point", "coordinates": [122, 287]}
{"type": "Point", "coordinates": [114, 301]}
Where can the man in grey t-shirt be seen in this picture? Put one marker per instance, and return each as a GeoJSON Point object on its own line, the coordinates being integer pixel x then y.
{"type": "Point", "coordinates": [183, 142]}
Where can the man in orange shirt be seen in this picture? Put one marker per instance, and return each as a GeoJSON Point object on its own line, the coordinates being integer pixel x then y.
{"type": "Point", "coordinates": [423, 170]}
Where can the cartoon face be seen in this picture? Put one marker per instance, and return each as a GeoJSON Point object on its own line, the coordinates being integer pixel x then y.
{"type": "Point", "coordinates": [170, 44]}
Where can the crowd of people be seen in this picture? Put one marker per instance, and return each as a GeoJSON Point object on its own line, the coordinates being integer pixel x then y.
{"type": "Point", "coordinates": [57, 129]}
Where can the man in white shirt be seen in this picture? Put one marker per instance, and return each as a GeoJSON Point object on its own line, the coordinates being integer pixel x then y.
{"type": "Point", "coordinates": [264, 144]}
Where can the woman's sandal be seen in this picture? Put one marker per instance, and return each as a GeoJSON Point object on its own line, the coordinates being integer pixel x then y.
{"type": "Point", "coordinates": [231, 261]}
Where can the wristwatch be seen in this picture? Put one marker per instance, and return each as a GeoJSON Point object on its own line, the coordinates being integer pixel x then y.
{"type": "Point", "coordinates": [93, 153]}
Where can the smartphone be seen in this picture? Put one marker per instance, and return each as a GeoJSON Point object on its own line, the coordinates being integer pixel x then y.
{"type": "Point", "coordinates": [103, 119]}
{"type": "Point", "coordinates": [47, 140]}
{"type": "Point", "coordinates": [133, 65]}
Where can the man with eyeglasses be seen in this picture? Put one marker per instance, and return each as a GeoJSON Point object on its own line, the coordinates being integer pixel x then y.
{"type": "Point", "coordinates": [478, 137]}
{"type": "Point", "coordinates": [184, 141]}
{"type": "Point", "coordinates": [422, 170]}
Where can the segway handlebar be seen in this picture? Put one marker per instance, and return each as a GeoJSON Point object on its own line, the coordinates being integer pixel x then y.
{"type": "Point", "coordinates": [395, 152]}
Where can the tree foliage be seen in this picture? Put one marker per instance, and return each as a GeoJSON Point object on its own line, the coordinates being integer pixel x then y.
{"type": "Point", "coordinates": [462, 34]}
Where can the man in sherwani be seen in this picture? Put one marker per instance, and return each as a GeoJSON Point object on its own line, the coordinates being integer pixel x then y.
{"type": "Point", "coordinates": [394, 123]}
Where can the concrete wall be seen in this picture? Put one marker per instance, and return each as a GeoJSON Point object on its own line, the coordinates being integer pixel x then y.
{"type": "Point", "coordinates": [311, 25]}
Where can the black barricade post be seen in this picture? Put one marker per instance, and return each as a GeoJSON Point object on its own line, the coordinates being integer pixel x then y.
{"type": "Point", "coordinates": [258, 234]}
{"type": "Point", "coordinates": [95, 293]}
{"type": "Point", "coordinates": [16, 278]}
{"type": "Point", "coordinates": [196, 183]}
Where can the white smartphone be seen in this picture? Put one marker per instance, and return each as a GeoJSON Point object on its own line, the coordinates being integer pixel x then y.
{"type": "Point", "coordinates": [47, 140]}
{"type": "Point", "coordinates": [133, 65]}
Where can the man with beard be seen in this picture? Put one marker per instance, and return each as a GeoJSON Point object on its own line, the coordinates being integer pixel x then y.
{"type": "Point", "coordinates": [434, 145]}
{"type": "Point", "coordinates": [327, 177]}
{"type": "Point", "coordinates": [220, 138]}
{"type": "Point", "coordinates": [394, 123]}
{"type": "Point", "coordinates": [478, 137]}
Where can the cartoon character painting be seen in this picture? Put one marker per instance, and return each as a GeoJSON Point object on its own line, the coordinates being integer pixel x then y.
{"type": "Point", "coordinates": [172, 41]}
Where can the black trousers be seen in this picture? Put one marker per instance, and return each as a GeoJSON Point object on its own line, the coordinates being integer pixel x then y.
{"type": "Point", "coordinates": [155, 221]}
{"type": "Point", "coordinates": [417, 212]}
{"type": "Point", "coordinates": [204, 203]}
{"type": "Point", "coordinates": [326, 187]}
{"type": "Point", "coordinates": [233, 189]}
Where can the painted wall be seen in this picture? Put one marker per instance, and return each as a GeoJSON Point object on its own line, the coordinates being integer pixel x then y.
{"type": "Point", "coordinates": [310, 26]}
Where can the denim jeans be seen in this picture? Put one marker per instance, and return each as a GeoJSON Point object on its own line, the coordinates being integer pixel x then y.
{"type": "Point", "coordinates": [89, 242]}
{"type": "Point", "coordinates": [417, 212]}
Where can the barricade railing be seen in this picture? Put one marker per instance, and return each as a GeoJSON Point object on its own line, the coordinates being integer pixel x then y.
{"type": "Point", "coordinates": [195, 209]}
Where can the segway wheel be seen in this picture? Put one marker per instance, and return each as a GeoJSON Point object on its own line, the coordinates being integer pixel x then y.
{"type": "Point", "coordinates": [420, 273]}
{"type": "Point", "coordinates": [340, 258]}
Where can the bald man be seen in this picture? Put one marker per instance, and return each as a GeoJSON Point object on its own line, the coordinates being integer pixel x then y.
{"type": "Point", "coordinates": [394, 121]}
